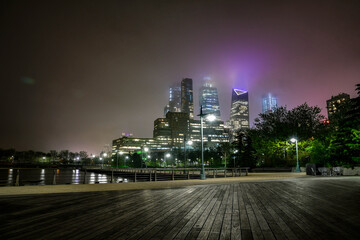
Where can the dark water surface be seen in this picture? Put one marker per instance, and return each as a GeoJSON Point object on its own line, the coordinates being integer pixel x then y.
{"type": "Point", "coordinates": [45, 176]}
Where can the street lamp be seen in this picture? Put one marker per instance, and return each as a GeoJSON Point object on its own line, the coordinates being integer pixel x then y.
{"type": "Point", "coordinates": [167, 155]}
{"type": "Point", "coordinates": [146, 149]}
{"type": "Point", "coordinates": [117, 158]}
{"type": "Point", "coordinates": [294, 140]}
{"type": "Point", "coordinates": [186, 143]}
{"type": "Point", "coordinates": [104, 155]}
{"type": "Point", "coordinates": [234, 158]}
{"type": "Point", "coordinates": [126, 158]}
{"type": "Point", "coordinates": [210, 118]}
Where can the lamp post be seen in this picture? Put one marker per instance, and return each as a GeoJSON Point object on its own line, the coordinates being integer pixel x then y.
{"type": "Point", "coordinates": [294, 140]}
{"type": "Point", "coordinates": [210, 118]}
{"type": "Point", "coordinates": [234, 158]}
{"type": "Point", "coordinates": [186, 143]}
{"type": "Point", "coordinates": [117, 158]}
{"type": "Point", "coordinates": [104, 155]}
{"type": "Point", "coordinates": [126, 158]}
{"type": "Point", "coordinates": [166, 155]}
{"type": "Point", "coordinates": [145, 149]}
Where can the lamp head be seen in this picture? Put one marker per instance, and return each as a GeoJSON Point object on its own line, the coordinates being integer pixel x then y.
{"type": "Point", "coordinates": [293, 140]}
{"type": "Point", "coordinates": [211, 117]}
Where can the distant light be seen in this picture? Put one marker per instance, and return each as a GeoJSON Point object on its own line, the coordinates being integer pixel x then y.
{"type": "Point", "coordinates": [146, 149]}
{"type": "Point", "coordinates": [127, 157]}
{"type": "Point", "coordinates": [190, 142]}
{"type": "Point", "coordinates": [121, 153]}
{"type": "Point", "coordinates": [293, 140]}
{"type": "Point", "coordinates": [149, 156]}
{"type": "Point", "coordinates": [167, 155]}
{"type": "Point", "coordinates": [104, 154]}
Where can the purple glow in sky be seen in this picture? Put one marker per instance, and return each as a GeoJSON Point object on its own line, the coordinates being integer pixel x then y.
{"type": "Point", "coordinates": [76, 74]}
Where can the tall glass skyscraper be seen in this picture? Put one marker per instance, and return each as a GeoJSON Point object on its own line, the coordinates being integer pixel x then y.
{"type": "Point", "coordinates": [239, 113]}
{"type": "Point", "coordinates": [269, 104]}
{"type": "Point", "coordinates": [209, 99]}
{"type": "Point", "coordinates": [187, 101]}
{"type": "Point", "coordinates": [174, 100]}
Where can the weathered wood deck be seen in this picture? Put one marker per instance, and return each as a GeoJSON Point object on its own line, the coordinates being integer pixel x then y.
{"type": "Point", "coordinates": [305, 208]}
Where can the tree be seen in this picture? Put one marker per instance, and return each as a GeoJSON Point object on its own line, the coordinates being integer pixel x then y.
{"type": "Point", "coordinates": [225, 149]}
{"type": "Point", "coordinates": [344, 144]}
{"type": "Point", "coordinates": [269, 140]}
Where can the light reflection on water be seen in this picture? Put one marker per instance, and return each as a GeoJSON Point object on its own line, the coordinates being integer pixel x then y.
{"type": "Point", "coordinates": [46, 177]}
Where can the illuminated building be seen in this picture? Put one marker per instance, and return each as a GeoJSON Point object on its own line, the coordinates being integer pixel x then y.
{"type": "Point", "coordinates": [334, 102]}
{"type": "Point", "coordinates": [174, 100]}
{"type": "Point", "coordinates": [209, 99]}
{"type": "Point", "coordinates": [269, 104]}
{"type": "Point", "coordinates": [214, 133]}
{"type": "Point", "coordinates": [177, 127]}
{"type": "Point", "coordinates": [187, 102]}
{"type": "Point", "coordinates": [239, 113]}
{"type": "Point", "coordinates": [130, 145]}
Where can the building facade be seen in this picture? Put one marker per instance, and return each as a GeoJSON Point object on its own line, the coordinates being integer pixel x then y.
{"type": "Point", "coordinates": [239, 113]}
{"type": "Point", "coordinates": [209, 99]}
{"type": "Point", "coordinates": [187, 101]}
{"type": "Point", "coordinates": [334, 102]}
{"type": "Point", "coordinates": [174, 100]}
{"type": "Point", "coordinates": [269, 104]}
{"type": "Point", "coordinates": [177, 128]}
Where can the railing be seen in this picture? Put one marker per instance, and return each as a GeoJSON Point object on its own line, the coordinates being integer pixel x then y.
{"type": "Point", "coordinates": [168, 174]}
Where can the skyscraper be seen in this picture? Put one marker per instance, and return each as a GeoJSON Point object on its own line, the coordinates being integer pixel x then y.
{"type": "Point", "coordinates": [187, 102]}
{"type": "Point", "coordinates": [209, 99]}
{"type": "Point", "coordinates": [239, 113]}
{"type": "Point", "coordinates": [174, 100]}
{"type": "Point", "coordinates": [269, 104]}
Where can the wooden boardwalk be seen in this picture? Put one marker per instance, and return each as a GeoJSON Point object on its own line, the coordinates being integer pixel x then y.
{"type": "Point", "coordinates": [303, 208]}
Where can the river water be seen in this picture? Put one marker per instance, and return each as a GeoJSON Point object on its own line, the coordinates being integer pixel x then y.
{"type": "Point", "coordinates": [45, 176]}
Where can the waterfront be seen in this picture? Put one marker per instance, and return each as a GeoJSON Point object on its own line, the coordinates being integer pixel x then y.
{"type": "Point", "coordinates": [45, 176]}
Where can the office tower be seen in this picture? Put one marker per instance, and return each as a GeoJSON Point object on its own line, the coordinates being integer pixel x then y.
{"type": "Point", "coordinates": [239, 113]}
{"type": "Point", "coordinates": [209, 99]}
{"type": "Point", "coordinates": [334, 102]}
{"type": "Point", "coordinates": [269, 104]}
{"type": "Point", "coordinates": [174, 100]}
{"type": "Point", "coordinates": [187, 103]}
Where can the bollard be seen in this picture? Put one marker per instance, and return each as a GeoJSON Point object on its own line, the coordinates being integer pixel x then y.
{"type": "Point", "coordinates": [112, 176]}
{"type": "Point", "coordinates": [232, 172]}
{"type": "Point", "coordinates": [135, 177]}
{"type": "Point", "coordinates": [155, 175]}
{"type": "Point", "coordinates": [173, 178]}
{"type": "Point", "coordinates": [150, 175]}
{"type": "Point", "coordinates": [188, 175]}
{"type": "Point", "coordinates": [17, 178]}
{"type": "Point", "coordinates": [213, 173]}
{"type": "Point", "coordinates": [54, 177]}
{"type": "Point", "coordinates": [225, 173]}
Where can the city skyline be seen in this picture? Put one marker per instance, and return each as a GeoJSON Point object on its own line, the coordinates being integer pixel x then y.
{"type": "Point", "coordinates": [75, 75]}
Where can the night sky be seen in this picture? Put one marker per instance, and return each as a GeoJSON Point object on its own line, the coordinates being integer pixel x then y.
{"type": "Point", "coordinates": [76, 74]}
